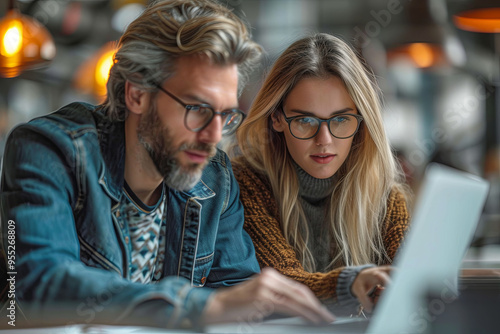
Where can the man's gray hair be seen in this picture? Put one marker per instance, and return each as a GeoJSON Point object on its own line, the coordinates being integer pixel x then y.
{"type": "Point", "coordinates": [169, 29]}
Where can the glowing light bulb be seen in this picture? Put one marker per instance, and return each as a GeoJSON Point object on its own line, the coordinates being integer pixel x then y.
{"type": "Point", "coordinates": [12, 39]}
{"type": "Point", "coordinates": [422, 54]}
{"type": "Point", "coordinates": [102, 71]}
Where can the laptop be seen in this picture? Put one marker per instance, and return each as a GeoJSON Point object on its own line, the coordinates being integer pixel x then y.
{"type": "Point", "coordinates": [444, 220]}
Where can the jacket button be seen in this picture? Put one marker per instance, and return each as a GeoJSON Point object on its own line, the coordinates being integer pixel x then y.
{"type": "Point", "coordinates": [127, 239]}
{"type": "Point", "coordinates": [203, 279]}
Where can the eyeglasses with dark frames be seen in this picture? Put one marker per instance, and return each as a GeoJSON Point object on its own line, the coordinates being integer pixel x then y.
{"type": "Point", "coordinates": [341, 126]}
{"type": "Point", "coordinates": [198, 116]}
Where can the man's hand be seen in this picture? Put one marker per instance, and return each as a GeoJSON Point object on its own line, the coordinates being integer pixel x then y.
{"type": "Point", "coordinates": [267, 293]}
{"type": "Point", "coordinates": [367, 280]}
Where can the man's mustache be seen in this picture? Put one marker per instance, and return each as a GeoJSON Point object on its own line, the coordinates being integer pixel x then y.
{"type": "Point", "coordinates": [210, 149]}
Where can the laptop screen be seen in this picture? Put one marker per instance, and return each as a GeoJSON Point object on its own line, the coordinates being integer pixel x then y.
{"type": "Point", "coordinates": [444, 221]}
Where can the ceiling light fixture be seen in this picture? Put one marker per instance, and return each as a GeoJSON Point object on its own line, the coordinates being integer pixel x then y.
{"type": "Point", "coordinates": [24, 44]}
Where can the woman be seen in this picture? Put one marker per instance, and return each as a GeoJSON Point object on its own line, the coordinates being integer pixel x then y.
{"type": "Point", "coordinates": [324, 197]}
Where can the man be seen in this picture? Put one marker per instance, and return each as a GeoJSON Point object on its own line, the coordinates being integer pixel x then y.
{"type": "Point", "coordinates": [122, 212]}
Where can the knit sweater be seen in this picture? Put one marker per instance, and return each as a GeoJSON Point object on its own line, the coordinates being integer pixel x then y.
{"type": "Point", "coordinates": [313, 196]}
{"type": "Point", "coordinates": [272, 250]}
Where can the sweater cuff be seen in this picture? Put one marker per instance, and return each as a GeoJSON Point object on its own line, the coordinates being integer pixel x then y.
{"type": "Point", "coordinates": [344, 284]}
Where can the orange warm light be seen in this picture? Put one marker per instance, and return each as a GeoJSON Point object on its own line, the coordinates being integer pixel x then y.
{"type": "Point", "coordinates": [24, 44]}
{"type": "Point", "coordinates": [485, 20]}
{"type": "Point", "coordinates": [102, 71]}
{"type": "Point", "coordinates": [12, 40]}
{"type": "Point", "coordinates": [92, 76]}
{"type": "Point", "coordinates": [421, 55]}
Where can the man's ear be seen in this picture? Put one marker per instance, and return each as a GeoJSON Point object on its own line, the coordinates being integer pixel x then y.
{"type": "Point", "coordinates": [136, 99]}
{"type": "Point", "coordinates": [278, 122]}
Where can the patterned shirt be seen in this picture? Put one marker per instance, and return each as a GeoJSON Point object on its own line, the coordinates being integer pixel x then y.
{"type": "Point", "coordinates": [147, 230]}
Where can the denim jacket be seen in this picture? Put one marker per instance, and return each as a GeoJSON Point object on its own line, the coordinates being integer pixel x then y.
{"type": "Point", "coordinates": [62, 184]}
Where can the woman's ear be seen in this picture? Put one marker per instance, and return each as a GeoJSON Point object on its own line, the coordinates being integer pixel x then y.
{"type": "Point", "coordinates": [278, 121]}
{"type": "Point", "coordinates": [136, 99]}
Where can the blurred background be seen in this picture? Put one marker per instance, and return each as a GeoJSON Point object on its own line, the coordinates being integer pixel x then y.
{"type": "Point", "coordinates": [437, 62]}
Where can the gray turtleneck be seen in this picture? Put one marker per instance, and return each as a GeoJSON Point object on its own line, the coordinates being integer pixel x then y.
{"type": "Point", "coordinates": [314, 196]}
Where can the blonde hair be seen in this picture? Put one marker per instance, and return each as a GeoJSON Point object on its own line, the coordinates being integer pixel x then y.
{"type": "Point", "coordinates": [364, 182]}
{"type": "Point", "coordinates": [170, 29]}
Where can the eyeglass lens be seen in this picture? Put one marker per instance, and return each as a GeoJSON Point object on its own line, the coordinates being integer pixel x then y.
{"type": "Point", "coordinates": [342, 126]}
{"type": "Point", "coordinates": [198, 117]}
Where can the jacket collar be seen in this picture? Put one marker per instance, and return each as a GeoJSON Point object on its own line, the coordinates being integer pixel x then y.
{"type": "Point", "coordinates": [112, 142]}
{"type": "Point", "coordinates": [200, 191]}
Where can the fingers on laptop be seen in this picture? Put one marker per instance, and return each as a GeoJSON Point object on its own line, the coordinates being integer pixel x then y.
{"type": "Point", "coordinates": [291, 297]}
{"type": "Point", "coordinates": [263, 295]}
{"type": "Point", "coordinates": [369, 284]}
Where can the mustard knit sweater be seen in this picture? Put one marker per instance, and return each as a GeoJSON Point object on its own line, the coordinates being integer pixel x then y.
{"type": "Point", "coordinates": [271, 247]}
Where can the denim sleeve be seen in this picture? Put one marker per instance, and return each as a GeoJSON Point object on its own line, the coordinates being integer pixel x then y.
{"type": "Point", "coordinates": [52, 285]}
{"type": "Point", "coordinates": [235, 259]}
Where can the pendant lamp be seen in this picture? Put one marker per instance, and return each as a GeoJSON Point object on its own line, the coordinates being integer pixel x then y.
{"type": "Point", "coordinates": [24, 44]}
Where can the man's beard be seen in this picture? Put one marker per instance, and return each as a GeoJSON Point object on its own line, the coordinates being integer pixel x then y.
{"type": "Point", "coordinates": [158, 142]}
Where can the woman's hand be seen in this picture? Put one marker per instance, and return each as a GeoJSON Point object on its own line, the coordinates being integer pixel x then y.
{"type": "Point", "coordinates": [369, 281]}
